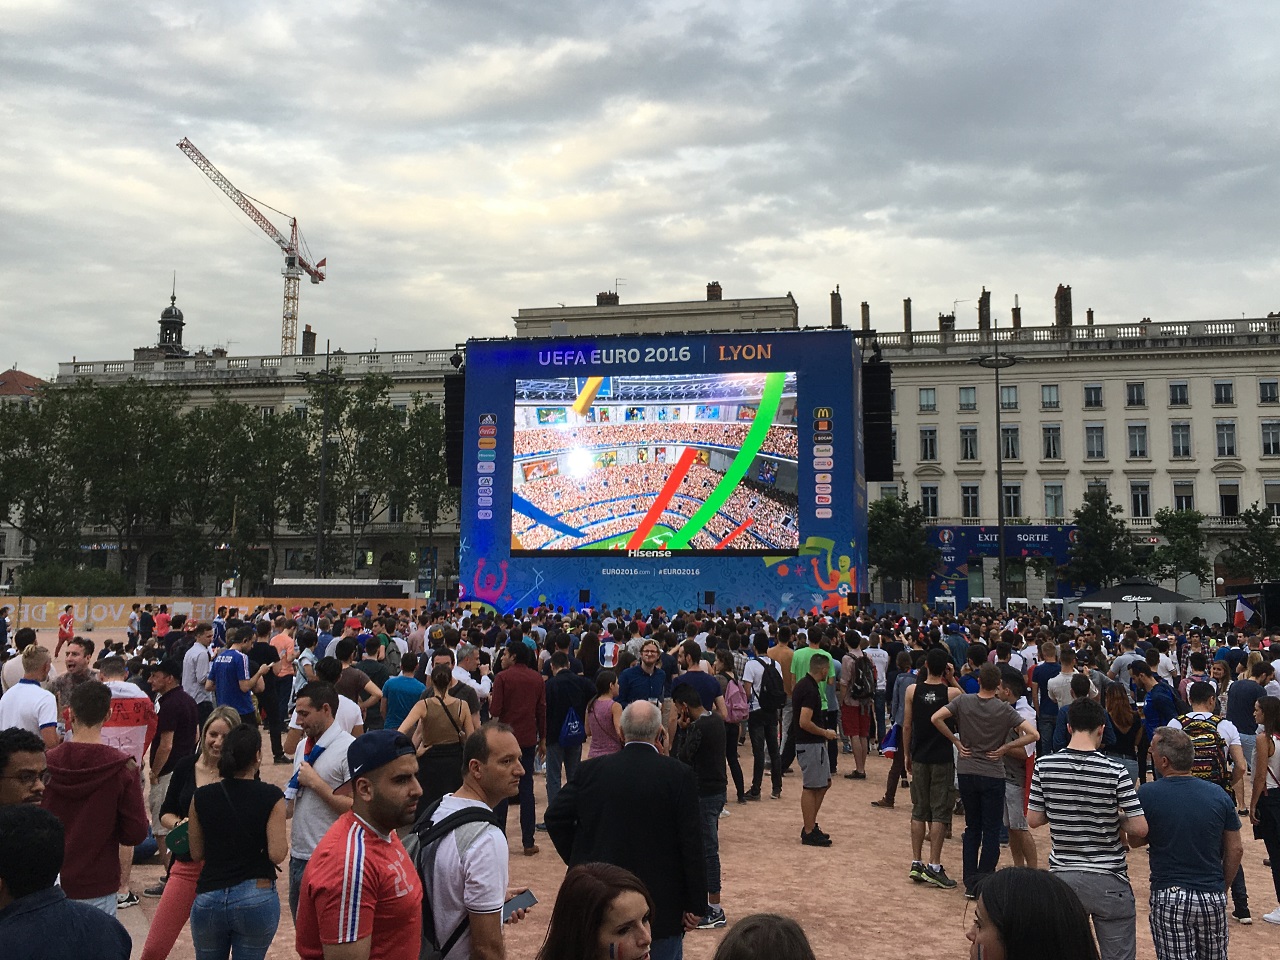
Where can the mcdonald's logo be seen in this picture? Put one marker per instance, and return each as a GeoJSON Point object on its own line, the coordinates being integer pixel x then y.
{"type": "Point", "coordinates": [822, 413]}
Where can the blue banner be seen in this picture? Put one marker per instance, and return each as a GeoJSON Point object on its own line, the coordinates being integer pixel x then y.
{"type": "Point", "coordinates": [959, 544]}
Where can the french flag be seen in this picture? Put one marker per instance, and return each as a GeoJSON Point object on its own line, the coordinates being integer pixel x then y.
{"type": "Point", "coordinates": [1244, 612]}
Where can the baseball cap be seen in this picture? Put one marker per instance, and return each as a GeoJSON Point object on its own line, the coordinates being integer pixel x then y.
{"type": "Point", "coordinates": [171, 667]}
{"type": "Point", "coordinates": [353, 624]}
{"type": "Point", "coordinates": [372, 750]}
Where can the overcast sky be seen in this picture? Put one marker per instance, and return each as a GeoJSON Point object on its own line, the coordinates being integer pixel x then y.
{"type": "Point", "coordinates": [456, 161]}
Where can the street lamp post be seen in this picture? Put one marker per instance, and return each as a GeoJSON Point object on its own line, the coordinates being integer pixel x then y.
{"type": "Point", "coordinates": [997, 362]}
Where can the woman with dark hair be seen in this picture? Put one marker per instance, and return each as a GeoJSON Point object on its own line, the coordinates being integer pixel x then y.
{"type": "Point", "coordinates": [1026, 914]}
{"type": "Point", "coordinates": [439, 724]}
{"type": "Point", "coordinates": [237, 909]}
{"type": "Point", "coordinates": [589, 654]}
{"type": "Point", "coordinates": [604, 717]}
{"type": "Point", "coordinates": [1264, 805]}
{"type": "Point", "coordinates": [1130, 734]}
{"type": "Point", "coordinates": [602, 912]}
{"type": "Point", "coordinates": [765, 936]}
{"type": "Point", "coordinates": [725, 674]}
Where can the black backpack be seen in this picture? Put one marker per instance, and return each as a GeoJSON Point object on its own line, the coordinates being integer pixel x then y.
{"type": "Point", "coordinates": [422, 846]}
{"type": "Point", "coordinates": [772, 693]}
{"type": "Point", "coordinates": [862, 685]}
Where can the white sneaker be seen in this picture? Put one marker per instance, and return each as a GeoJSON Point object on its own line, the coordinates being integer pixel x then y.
{"type": "Point", "coordinates": [1273, 916]}
{"type": "Point", "coordinates": [724, 812]}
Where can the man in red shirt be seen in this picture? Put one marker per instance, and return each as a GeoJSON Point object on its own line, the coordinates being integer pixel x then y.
{"type": "Point", "coordinates": [66, 628]}
{"type": "Point", "coordinates": [519, 699]}
{"type": "Point", "coordinates": [361, 895]}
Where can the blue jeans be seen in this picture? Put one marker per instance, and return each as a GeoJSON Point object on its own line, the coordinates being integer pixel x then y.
{"type": "Point", "coordinates": [296, 867]}
{"type": "Point", "coordinates": [983, 799]}
{"type": "Point", "coordinates": [881, 730]}
{"type": "Point", "coordinates": [557, 755]}
{"type": "Point", "coordinates": [668, 948]}
{"type": "Point", "coordinates": [1248, 744]}
{"type": "Point", "coordinates": [528, 816]}
{"type": "Point", "coordinates": [106, 904]}
{"type": "Point", "coordinates": [709, 808]}
{"type": "Point", "coordinates": [239, 922]}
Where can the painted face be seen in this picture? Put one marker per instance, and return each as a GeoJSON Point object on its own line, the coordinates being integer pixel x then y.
{"type": "Point", "coordinates": [984, 939]}
{"type": "Point", "coordinates": [625, 935]}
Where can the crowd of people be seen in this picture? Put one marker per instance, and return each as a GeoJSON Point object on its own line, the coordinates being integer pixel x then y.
{"type": "Point", "coordinates": [612, 501]}
{"type": "Point", "coordinates": [781, 440]}
{"type": "Point", "coordinates": [409, 735]}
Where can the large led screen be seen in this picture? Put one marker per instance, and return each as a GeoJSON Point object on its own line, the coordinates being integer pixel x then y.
{"type": "Point", "coordinates": [687, 464]}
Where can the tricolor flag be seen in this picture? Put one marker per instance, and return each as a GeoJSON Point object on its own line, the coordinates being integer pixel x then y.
{"type": "Point", "coordinates": [1244, 612]}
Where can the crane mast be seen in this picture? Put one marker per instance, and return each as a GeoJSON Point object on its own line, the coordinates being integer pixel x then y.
{"type": "Point", "coordinates": [295, 263]}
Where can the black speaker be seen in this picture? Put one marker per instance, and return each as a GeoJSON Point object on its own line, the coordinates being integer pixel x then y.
{"type": "Point", "coordinates": [877, 422]}
{"type": "Point", "coordinates": [455, 390]}
{"type": "Point", "coordinates": [584, 596]}
{"type": "Point", "coordinates": [709, 598]}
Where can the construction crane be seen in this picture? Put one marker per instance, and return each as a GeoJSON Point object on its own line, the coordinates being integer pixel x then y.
{"type": "Point", "coordinates": [295, 261]}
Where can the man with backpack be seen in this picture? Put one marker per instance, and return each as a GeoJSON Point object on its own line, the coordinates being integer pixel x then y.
{"type": "Point", "coordinates": [567, 697]}
{"type": "Point", "coordinates": [461, 854]}
{"type": "Point", "coordinates": [1218, 759]}
{"type": "Point", "coordinates": [765, 685]}
{"type": "Point", "coordinates": [857, 702]}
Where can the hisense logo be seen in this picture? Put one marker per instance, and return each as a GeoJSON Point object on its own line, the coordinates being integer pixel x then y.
{"type": "Point", "coordinates": [648, 553]}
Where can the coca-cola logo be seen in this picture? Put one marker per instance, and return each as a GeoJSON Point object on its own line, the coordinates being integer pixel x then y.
{"type": "Point", "coordinates": [1135, 598]}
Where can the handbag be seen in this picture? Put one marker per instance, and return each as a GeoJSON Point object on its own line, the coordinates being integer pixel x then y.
{"type": "Point", "coordinates": [178, 840]}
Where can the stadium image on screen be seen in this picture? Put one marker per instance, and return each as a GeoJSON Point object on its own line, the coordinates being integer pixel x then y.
{"type": "Point", "coordinates": [693, 465]}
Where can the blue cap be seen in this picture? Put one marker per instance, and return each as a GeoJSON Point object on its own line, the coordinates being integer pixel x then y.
{"type": "Point", "coordinates": [376, 749]}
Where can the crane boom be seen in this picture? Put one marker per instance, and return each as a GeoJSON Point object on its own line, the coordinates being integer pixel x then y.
{"type": "Point", "coordinates": [295, 264]}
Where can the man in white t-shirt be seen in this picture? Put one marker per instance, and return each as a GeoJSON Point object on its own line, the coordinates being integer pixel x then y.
{"type": "Point", "coordinates": [319, 768]}
{"type": "Point", "coordinates": [762, 724]}
{"type": "Point", "coordinates": [879, 656]}
{"type": "Point", "coordinates": [466, 876]}
{"type": "Point", "coordinates": [27, 704]}
{"type": "Point", "coordinates": [1204, 704]}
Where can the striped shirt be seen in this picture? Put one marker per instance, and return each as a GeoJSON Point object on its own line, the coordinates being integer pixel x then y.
{"type": "Point", "coordinates": [1083, 794]}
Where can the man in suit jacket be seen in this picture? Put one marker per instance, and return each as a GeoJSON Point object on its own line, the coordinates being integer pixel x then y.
{"type": "Point", "coordinates": [595, 817]}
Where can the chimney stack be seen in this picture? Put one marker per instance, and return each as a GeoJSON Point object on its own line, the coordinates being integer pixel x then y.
{"type": "Point", "coordinates": [308, 341]}
{"type": "Point", "coordinates": [866, 315]}
{"type": "Point", "coordinates": [607, 298]}
{"type": "Point", "coordinates": [984, 311]}
{"type": "Point", "coordinates": [1062, 307]}
{"type": "Point", "coordinates": [1088, 317]}
{"type": "Point", "coordinates": [947, 322]}
{"type": "Point", "coordinates": [713, 290]}
{"type": "Point", "coordinates": [837, 309]}
{"type": "Point", "coordinates": [906, 320]}
{"type": "Point", "coordinates": [1016, 313]}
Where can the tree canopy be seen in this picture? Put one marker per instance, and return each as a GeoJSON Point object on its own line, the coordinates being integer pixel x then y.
{"type": "Point", "coordinates": [897, 541]}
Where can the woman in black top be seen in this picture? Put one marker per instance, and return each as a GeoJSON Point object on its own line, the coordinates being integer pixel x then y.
{"type": "Point", "coordinates": [178, 891]}
{"type": "Point", "coordinates": [238, 828]}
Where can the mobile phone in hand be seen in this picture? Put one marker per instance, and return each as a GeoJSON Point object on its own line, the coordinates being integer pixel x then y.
{"type": "Point", "coordinates": [521, 901]}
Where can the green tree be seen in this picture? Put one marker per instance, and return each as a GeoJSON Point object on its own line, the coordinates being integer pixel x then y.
{"type": "Point", "coordinates": [430, 494]}
{"type": "Point", "coordinates": [897, 544]}
{"type": "Point", "coordinates": [1103, 551]}
{"type": "Point", "coordinates": [1182, 553]}
{"type": "Point", "coordinates": [1255, 553]}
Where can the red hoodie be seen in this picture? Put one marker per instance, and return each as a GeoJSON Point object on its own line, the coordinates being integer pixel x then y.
{"type": "Point", "coordinates": [95, 791]}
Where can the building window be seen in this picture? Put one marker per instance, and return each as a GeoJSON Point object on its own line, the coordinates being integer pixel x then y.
{"type": "Point", "coordinates": [928, 399]}
{"type": "Point", "coordinates": [929, 501]}
{"type": "Point", "coordinates": [1012, 499]}
{"type": "Point", "coordinates": [1184, 495]}
{"type": "Point", "coordinates": [893, 399]}
{"type": "Point", "coordinates": [1226, 433]}
{"type": "Point", "coordinates": [1140, 498]}
{"type": "Point", "coordinates": [1010, 442]}
{"type": "Point", "coordinates": [1178, 395]}
{"type": "Point", "coordinates": [1137, 441]}
{"type": "Point", "coordinates": [1095, 445]}
{"type": "Point", "coordinates": [968, 398]}
{"type": "Point", "coordinates": [266, 413]}
{"type": "Point", "coordinates": [893, 444]}
{"type": "Point", "coordinates": [4, 543]}
{"type": "Point", "coordinates": [1271, 495]}
{"type": "Point", "coordinates": [1009, 397]}
{"type": "Point", "coordinates": [969, 505]}
{"type": "Point", "coordinates": [1271, 438]}
{"type": "Point", "coordinates": [1093, 396]}
{"type": "Point", "coordinates": [300, 413]}
{"type": "Point", "coordinates": [1135, 394]}
{"type": "Point", "coordinates": [1229, 499]}
{"type": "Point", "coordinates": [1180, 440]}
{"type": "Point", "coordinates": [968, 443]}
{"type": "Point", "coordinates": [1053, 501]}
{"type": "Point", "coordinates": [1224, 393]}
{"type": "Point", "coordinates": [1096, 485]}
{"type": "Point", "coordinates": [395, 513]}
{"type": "Point", "coordinates": [1048, 396]}
{"type": "Point", "coordinates": [1269, 391]}
{"type": "Point", "coordinates": [929, 443]}
{"type": "Point", "coordinates": [364, 509]}
{"type": "Point", "coordinates": [1051, 436]}
{"type": "Point", "coordinates": [889, 491]}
